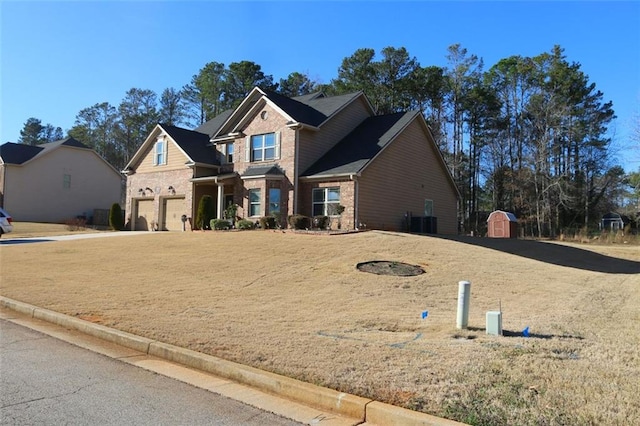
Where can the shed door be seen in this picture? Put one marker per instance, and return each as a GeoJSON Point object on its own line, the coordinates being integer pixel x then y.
{"type": "Point", "coordinates": [172, 211]}
{"type": "Point", "coordinates": [144, 215]}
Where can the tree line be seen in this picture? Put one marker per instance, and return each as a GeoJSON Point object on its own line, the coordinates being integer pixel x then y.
{"type": "Point", "coordinates": [528, 135]}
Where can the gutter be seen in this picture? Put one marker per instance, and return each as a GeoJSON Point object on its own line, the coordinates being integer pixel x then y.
{"type": "Point", "coordinates": [297, 125]}
{"type": "Point", "coordinates": [350, 176]}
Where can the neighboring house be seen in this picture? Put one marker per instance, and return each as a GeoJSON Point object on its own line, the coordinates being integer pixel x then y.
{"type": "Point", "coordinates": [274, 155]}
{"type": "Point", "coordinates": [56, 181]}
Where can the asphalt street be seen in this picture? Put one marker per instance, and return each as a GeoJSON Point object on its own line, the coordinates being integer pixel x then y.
{"type": "Point", "coordinates": [44, 381]}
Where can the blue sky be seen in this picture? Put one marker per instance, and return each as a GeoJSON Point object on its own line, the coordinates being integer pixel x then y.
{"type": "Point", "coordinates": [58, 57]}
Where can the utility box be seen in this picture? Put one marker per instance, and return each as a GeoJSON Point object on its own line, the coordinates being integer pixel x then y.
{"type": "Point", "coordinates": [494, 323]}
{"type": "Point", "coordinates": [424, 224]}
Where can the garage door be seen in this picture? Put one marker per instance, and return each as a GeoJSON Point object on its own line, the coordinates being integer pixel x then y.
{"type": "Point", "coordinates": [144, 215]}
{"type": "Point", "coordinates": [172, 211]}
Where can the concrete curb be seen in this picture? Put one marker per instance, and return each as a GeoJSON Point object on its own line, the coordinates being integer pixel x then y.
{"type": "Point", "coordinates": [363, 409]}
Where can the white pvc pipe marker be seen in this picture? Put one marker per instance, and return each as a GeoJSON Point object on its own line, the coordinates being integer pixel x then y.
{"type": "Point", "coordinates": [464, 294]}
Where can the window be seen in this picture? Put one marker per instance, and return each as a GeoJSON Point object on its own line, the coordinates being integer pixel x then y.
{"type": "Point", "coordinates": [428, 208]}
{"type": "Point", "coordinates": [66, 181]}
{"type": "Point", "coordinates": [160, 152]}
{"type": "Point", "coordinates": [263, 147]}
{"type": "Point", "coordinates": [230, 153]}
{"type": "Point", "coordinates": [326, 201]}
{"type": "Point", "coordinates": [254, 202]}
{"type": "Point", "coordinates": [274, 200]}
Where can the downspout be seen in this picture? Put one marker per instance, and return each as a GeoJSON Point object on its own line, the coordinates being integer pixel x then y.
{"type": "Point", "coordinates": [4, 185]}
{"type": "Point", "coordinates": [295, 171]}
{"type": "Point", "coordinates": [355, 202]}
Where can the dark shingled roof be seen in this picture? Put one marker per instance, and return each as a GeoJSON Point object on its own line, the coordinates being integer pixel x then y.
{"type": "Point", "coordinates": [212, 126]}
{"type": "Point", "coordinates": [300, 112]}
{"type": "Point", "coordinates": [313, 109]}
{"type": "Point", "coordinates": [66, 142]}
{"type": "Point", "coordinates": [306, 98]}
{"type": "Point", "coordinates": [351, 154]}
{"type": "Point", "coordinates": [195, 144]}
{"type": "Point", "coordinates": [263, 171]}
{"type": "Point", "coordinates": [329, 105]}
{"type": "Point", "coordinates": [17, 153]}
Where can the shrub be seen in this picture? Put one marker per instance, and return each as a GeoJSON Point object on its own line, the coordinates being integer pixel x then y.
{"type": "Point", "coordinates": [116, 219]}
{"type": "Point", "coordinates": [321, 222]}
{"type": "Point", "coordinates": [205, 212]}
{"type": "Point", "coordinates": [244, 224]}
{"type": "Point", "coordinates": [231, 212]}
{"type": "Point", "coordinates": [76, 224]}
{"type": "Point", "coordinates": [268, 222]}
{"type": "Point", "coordinates": [219, 224]}
{"type": "Point", "coordinates": [298, 221]}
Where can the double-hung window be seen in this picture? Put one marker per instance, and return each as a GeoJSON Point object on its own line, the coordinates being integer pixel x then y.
{"type": "Point", "coordinates": [66, 181]}
{"type": "Point", "coordinates": [326, 201]}
{"type": "Point", "coordinates": [263, 147]}
{"type": "Point", "coordinates": [428, 208]}
{"type": "Point", "coordinates": [160, 152]}
{"type": "Point", "coordinates": [254, 202]}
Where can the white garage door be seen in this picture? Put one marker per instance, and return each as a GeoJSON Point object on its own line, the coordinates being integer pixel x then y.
{"type": "Point", "coordinates": [144, 215]}
{"type": "Point", "coordinates": [172, 211]}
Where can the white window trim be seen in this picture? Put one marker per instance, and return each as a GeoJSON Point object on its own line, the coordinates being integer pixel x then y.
{"type": "Point", "coordinates": [162, 140]}
{"type": "Point", "coordinates": [259, 203]}
{"type": "Point", "coordinates": [325, 203]}
{"type": "Point", "coordinates": [249, 148]}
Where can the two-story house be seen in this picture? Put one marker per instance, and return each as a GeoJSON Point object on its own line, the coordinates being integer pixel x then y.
{"type": "Point", "coordinates": [274, 155]}
{"type": "Point", "coordinates": [56, 181]}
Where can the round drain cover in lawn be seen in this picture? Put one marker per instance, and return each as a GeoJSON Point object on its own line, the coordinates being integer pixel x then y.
{"type": "Point", "coordinates": [386, 267]}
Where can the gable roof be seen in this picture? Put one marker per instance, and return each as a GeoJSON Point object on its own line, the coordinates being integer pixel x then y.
{"type": "Point", "coordinates": [358, 148]}
{"type": "Point", "coordinates": [312, 110]}
{"type": "Point", "coordinates": [194, 145]}
{"type": "Point", "coordinates": [17, 153]}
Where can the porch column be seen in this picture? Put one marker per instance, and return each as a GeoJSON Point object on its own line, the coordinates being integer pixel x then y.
{"type": "Point", "coordinates": [220, 200]}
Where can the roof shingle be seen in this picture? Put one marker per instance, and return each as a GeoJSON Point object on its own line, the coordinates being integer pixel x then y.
{"type": "Point", "coordinates": [195, 144]}
{"type": "Point", "coordinates": [351, 154]}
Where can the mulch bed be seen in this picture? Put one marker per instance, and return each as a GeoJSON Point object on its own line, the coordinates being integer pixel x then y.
{"type": "Point", "coordinates": [386, 267]}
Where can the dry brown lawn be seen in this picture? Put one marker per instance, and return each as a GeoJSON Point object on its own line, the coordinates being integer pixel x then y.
{"type": "Point", "coordinates": [295, 304]}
